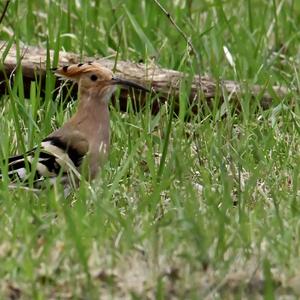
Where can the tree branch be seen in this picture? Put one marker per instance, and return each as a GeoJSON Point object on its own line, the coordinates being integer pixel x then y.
{"type": "Point", "coordinates": [164, 82]}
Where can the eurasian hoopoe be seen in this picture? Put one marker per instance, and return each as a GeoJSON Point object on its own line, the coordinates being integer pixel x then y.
{"type": "Point", "coordinates": [84, 138]}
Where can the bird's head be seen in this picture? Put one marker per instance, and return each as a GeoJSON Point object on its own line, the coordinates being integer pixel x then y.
{"type": "Point", "coordinates": [92, 77]}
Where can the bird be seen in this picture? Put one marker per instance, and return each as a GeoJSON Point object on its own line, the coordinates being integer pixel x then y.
{"type": "Point", "coordinates": [81, 145]}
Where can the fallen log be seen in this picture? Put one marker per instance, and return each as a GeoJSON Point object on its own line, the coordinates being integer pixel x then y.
{"type": "Point", "coordinates": [164, 82]}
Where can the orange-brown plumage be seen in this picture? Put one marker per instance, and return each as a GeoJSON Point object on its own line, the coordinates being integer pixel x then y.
{"type": "Point", "coordinates": [86, 135]}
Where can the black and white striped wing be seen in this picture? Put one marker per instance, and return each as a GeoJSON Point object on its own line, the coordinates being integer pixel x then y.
{"type": "Point", "coordinates": [55, 157]}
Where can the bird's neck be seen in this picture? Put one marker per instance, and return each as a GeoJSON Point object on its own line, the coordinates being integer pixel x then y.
{"type": "Point", "coordinates": [92, 120]}
{"type": "Point", "coordinates": [92, 113]}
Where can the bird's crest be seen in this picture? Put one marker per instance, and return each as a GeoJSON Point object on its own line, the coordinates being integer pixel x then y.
{"type": "Point", "coordinates": [74, 71]}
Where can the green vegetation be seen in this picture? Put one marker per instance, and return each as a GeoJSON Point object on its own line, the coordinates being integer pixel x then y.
{"type": "Point", "coordinates": [218, 216]}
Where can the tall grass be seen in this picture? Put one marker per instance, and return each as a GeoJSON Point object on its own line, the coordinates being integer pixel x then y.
{"type": "Point", "coordinates": [204, 208]}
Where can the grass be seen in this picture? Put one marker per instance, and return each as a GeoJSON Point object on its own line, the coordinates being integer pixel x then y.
{"type": "Point", "coordinates": [203, 209]}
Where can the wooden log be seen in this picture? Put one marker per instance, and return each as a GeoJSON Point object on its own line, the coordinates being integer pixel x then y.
{"type": "Point", "coordinates": [164, 82]}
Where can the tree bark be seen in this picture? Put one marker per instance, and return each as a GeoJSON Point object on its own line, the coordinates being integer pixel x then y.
{"type": "Point", "coordinates": [164, 82]}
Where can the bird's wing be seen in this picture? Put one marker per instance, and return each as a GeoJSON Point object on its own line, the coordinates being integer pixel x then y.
{"type": "Point", "coordinates": [58, 154]}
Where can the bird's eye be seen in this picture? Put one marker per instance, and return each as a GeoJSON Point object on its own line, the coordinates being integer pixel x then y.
{"type": "Point", "coordinates": [94, 77]}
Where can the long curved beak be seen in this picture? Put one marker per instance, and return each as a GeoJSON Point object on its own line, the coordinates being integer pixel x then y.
{"type": "Point", "coordinates": [119, 81]}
